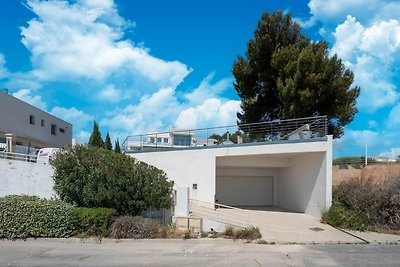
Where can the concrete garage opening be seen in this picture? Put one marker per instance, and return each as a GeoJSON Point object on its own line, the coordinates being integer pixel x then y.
{"type": "Point", "coordinates": [285, 181]}
{"type": "Point", "coordinates": [242, 190]}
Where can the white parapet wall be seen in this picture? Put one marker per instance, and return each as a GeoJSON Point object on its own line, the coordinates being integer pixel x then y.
{"type": "Point", "coordinates": [297, 175]}
{"type": "Point", "coordinates": [26, 178]}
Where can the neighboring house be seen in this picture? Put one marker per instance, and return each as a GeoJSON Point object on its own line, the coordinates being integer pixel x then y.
{"type": "Point", "coordinates": [384, 159]}
{"type": "Point", "coordinates": [30, 126]}
{"type": "Point", "coordinates": [165, 140]}
{"type": "Point", "coordinates": [270, 169]}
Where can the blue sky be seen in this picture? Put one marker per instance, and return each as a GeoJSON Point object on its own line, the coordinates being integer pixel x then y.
{"type": "Point", "coordinates": [138, 66]}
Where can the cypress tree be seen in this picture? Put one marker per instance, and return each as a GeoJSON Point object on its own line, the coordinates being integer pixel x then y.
{"type": "Point", "coordinates": [95, 139]}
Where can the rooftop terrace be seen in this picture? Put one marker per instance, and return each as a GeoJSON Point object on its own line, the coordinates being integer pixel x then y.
{"type": "Point", "coordinates": [277, 131]}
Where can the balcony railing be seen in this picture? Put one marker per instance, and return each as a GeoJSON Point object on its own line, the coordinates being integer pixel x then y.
{"type": "Point", "coordinates": [271, 131]}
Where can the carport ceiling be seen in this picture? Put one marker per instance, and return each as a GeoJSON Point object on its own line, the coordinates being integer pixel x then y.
{"type": "Point", "coordinates": [261, 161]}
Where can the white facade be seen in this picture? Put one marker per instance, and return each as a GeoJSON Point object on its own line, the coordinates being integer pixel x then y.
{"type": "Point", "coordinates": [294, 175]}
{"type": "Point", "coordinates": [30, 125]}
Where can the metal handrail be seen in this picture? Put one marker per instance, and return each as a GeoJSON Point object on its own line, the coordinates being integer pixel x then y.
{"type": "Point", "coordinates": [277, 130]}
{"type": "Point", "coordinates": [219, 212]}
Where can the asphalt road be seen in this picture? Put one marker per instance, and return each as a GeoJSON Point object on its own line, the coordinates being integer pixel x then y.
{"type": "Point", "coordinates": [204, 252]}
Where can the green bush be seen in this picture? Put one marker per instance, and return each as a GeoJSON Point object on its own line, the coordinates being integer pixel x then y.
{"type": "Point", "coordinates": [95, 177]}
{"type": "Point", "coordinates": [362, 204]}
{"type": "Point", "coordinates": [27, 216]}
{"type": "Point", "coordinates": [137, 228]}
{"type": "Point", "coordinates": [92, 221]}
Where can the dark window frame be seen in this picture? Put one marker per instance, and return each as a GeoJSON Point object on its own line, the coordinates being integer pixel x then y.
{"type": "Point", "coordinates": [31, 119]}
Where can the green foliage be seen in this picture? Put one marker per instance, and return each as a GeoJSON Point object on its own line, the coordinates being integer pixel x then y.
{"type": "Point", "coordinates": [92, 221]}
{"type": "Point", "coordinates": [137, 228]}
{"type": "Point", "coordinates": [284, 75]}
{"type": "Point", "coordinates": [95, 177]}
{"type": "Point", "coordinates": [117, 148]}
{"type": "Point", "coordinates": [27, 216]}
{"type": "Point", "coordinates": [352, 161]}
{"type": "Point", "coordinates": [95, 139]}
{"type": "Point", "coordinates": [107, 143]}
{"type": "Point", "coordinates": [361, 204]}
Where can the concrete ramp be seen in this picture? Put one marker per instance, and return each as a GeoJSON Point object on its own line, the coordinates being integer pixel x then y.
{"type": "Point", "coordinates": [282, 226]}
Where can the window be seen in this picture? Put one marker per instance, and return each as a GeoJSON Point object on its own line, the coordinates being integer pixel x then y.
{"type": "Point", "coordinates": [42, 123]}
{"type": "Point", "coordinates": [62, 130]}
{"type": "Point", "coordinates": [158, 139]}
{"type": "Point", "coordinates": [152, 140]}
{"type": "Point", "coordinates": [53, 129]}
{"type": "Point", "coordinates": [165, 140]}
{"type": "Point", "coordinates": [182, 140]}
{"type": "Point", "coordinates": [32, 119]}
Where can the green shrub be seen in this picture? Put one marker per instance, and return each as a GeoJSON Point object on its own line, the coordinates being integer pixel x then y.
{"type": "Point", "coordinates": [95, 177]}
{"type": "Point", "coordinates": [249, 233]}
{"type": "Point", "coordinates": [92, 221]}
{"type": "Point", "coordinates": [137, 228]}
{"type": "Point", "coordinates": [362, 204]}
{"type": "Point", "coordinates": [27, 216]}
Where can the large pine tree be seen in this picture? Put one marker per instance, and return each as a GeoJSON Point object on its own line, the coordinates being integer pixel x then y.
{"type": "Point", "coordinates": [284, 75]}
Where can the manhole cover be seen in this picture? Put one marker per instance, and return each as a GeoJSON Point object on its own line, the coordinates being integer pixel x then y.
{"type": "Point", "coordinates": [316, 229]}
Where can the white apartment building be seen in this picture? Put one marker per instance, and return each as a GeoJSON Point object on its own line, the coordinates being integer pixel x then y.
{"type": "Point", "coordinates": [30, 126]}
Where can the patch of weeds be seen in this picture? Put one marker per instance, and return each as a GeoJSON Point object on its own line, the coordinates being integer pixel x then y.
{"type": "Point", "coordinates": [249, 233]}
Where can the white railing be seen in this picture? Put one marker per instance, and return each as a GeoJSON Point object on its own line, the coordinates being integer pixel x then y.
{"type": "Point", "coordinates": [18, 156]}
{"type": "Point", "coordinates": [220, 213]}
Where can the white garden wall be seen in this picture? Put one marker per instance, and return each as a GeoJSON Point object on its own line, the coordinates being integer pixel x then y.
{"type": "Point", "coordinates": [29, 178]}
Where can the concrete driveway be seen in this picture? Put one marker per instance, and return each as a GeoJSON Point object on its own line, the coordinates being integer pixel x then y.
{"type": "Point", "coordinates": [283, 226]}
{"type": "Point", "coordinates": [199, 252]}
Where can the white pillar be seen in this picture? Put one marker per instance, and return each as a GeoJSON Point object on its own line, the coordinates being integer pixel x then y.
{"type": "Point", "coordinates": [10, 144]}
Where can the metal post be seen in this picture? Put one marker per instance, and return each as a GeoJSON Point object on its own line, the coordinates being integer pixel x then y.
{"type": "Point", "coordinates": [366, 152]}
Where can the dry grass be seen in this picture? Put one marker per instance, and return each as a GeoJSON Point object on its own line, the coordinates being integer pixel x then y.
{"type": "Point", "coordinates": [376, 173]}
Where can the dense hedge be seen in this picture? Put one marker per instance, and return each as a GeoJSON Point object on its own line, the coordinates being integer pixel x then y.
{"type": "Point", "coordinates": [92, 221]}
{"type": "Point", "coordinates": [93, 177]}
{"type": "Point", "coordinates": [27, 216]}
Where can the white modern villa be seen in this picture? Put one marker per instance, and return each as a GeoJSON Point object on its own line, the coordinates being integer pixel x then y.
{"type": "Point", "coordinates": [25, 125]}
{"type": "Point", "coordinates": [283, 164]}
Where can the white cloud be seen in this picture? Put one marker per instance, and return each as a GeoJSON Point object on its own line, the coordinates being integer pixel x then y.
{"type": "Point", "coordinates": [371, 52]}
{"type": "Point", "coordinates": [153, 112]}
{"type": "Point", "coordinates": [25, 95]}
{"type": "Point", "coordinates": [111, 94]}
{"type": "Point", "coordinates": [3, 70]}
{"type": "Point", "coordinates": [334, 11]}
{"type": "Point", "coordinates": [84, 40]}
{"type": "Point", "coordinates": [212, 112]}
{"type": "Point", "coordinates": [206, 90]}
{"type": "Point", "coordinates": [393, 120]}
{"type": "Point", "coordinates": [79, 120]}
{"type": "Point", "coordinates": [164, 109]}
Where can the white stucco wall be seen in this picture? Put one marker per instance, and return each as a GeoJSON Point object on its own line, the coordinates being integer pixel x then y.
{"type": "Point", "coordinates": [29, 178]}
{"type": "Point", "coordinates": [302, 171]}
